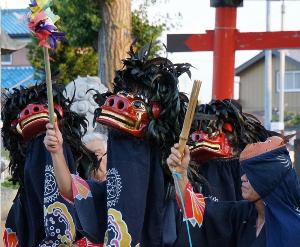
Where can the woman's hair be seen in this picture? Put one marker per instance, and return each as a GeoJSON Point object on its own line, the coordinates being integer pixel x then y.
{"type": "Point", "coordinates": [93, 136]}
{"type": "Point", "coordinates": [89, 137]}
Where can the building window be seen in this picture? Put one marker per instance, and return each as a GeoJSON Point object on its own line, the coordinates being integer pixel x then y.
{"type": "Point", "coordinates": [6, 59]}
{"type": "Point", "coordinates": [291, 81]}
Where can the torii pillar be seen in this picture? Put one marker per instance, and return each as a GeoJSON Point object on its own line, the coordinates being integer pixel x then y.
{"type": "Point", "coordinates": [224, 40]}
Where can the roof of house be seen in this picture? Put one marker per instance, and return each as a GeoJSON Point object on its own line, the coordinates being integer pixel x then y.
{"type": "Point", "coordinates": [9, 45]}
{"type": "Point", "coordinates": [14, 22]}
{"type": "Point", "coordinates": [22, 75]}
{"type": "Point", "coordinates": [292, 56]}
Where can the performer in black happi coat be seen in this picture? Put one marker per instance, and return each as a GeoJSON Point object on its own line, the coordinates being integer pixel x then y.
{"type": "Point", "coordinates": [221, 131]}
{"type": "Point", "coordinates": [39, 215]}
{"type": "Point", "coordinates": [145, 113]}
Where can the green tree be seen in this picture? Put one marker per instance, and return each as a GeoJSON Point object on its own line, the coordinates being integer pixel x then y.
{"type": "Point", "coordinates": [67, 62]}
{"type": "Point", "coordinates": [145, 32]}
{"type": "Point", "coordinates": [81, 22]}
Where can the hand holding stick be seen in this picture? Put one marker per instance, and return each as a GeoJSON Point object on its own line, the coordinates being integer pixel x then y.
{"type": "Point", "coordinates": [179, 181]}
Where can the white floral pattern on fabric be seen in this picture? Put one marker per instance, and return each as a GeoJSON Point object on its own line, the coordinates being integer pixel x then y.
{"type": "Point", "coordinates": [298, 210]}
{"type": "Point", "coordinates": [50, 189]}
{"type": "Point", "coordinates": [114, 187]}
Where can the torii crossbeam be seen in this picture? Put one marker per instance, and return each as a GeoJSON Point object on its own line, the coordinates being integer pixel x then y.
{"type": "Point", "coordinates": [225, 40]}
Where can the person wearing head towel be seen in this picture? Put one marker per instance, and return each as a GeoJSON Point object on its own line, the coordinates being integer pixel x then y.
{"type": "Point", "coordinates": [269, 216]}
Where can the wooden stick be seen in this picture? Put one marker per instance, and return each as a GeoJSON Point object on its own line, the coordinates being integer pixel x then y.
{"type": "Point", "coordinates": [49, 86]}
{"type": "Point", "coordinates": [184, 135]}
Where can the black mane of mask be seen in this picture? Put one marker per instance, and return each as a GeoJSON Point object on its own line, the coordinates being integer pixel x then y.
{"type": "Point", "coordinates": [71, 126]}
{"type": "Point", "coordinates": [246, 127]}
{"type": "Point", "coordinates": [157, 80]}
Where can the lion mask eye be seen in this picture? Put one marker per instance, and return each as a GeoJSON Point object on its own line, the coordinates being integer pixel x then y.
{"type": "Point", "coordinates": [138, 104]}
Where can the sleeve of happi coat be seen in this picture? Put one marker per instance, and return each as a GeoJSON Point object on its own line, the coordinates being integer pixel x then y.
{"type": "Point", "coordinates": [194, 206]}
{"type": "Point", "coordinates": [90, 205]}
{"type": "Point", "coordinates": [217, 219]}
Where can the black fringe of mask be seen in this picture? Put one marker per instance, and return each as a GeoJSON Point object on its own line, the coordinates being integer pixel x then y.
{"type": "Point", "coordinates": [72, 126]}
{"type": "Point", "coordinates": [246, 127]}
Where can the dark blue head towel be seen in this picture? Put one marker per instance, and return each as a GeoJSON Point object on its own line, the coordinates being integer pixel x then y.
{"type": "Point", "coordinates": [273, 177]}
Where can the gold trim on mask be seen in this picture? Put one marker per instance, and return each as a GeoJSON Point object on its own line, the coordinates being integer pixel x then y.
{"type": "Point", "coordinates": [120, 124]}
{"type": "Point", "coordinates": [206, 145]}
{"type": "Point", "coordinates": [20, 126]}
{"type": "Point", "coordinates": [119, 116]}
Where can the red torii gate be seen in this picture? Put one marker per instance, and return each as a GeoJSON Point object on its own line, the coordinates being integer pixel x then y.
{"type": "Point", "coordinates": [224, 40]}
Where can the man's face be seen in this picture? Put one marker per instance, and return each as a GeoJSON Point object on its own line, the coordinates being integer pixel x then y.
{"type": "Point", "coordinates": [98, 147]}
{"type": "Point", "coordinates": [248, 192]}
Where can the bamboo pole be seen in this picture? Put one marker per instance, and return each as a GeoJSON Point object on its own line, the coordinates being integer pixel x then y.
{"type": "Point", "coordinates": [184, 135]}
{"type": "Point", "coordinates": [49, 86]}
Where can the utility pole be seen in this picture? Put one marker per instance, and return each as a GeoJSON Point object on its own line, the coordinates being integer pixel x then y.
{"type": "Point", "coordinates": [268, 74]}
{"type": "Point", "coordinates": [282, 74]}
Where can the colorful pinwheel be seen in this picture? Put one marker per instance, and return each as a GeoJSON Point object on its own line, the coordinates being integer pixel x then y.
{"type": "Point", "coordinates": [42, 23]}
